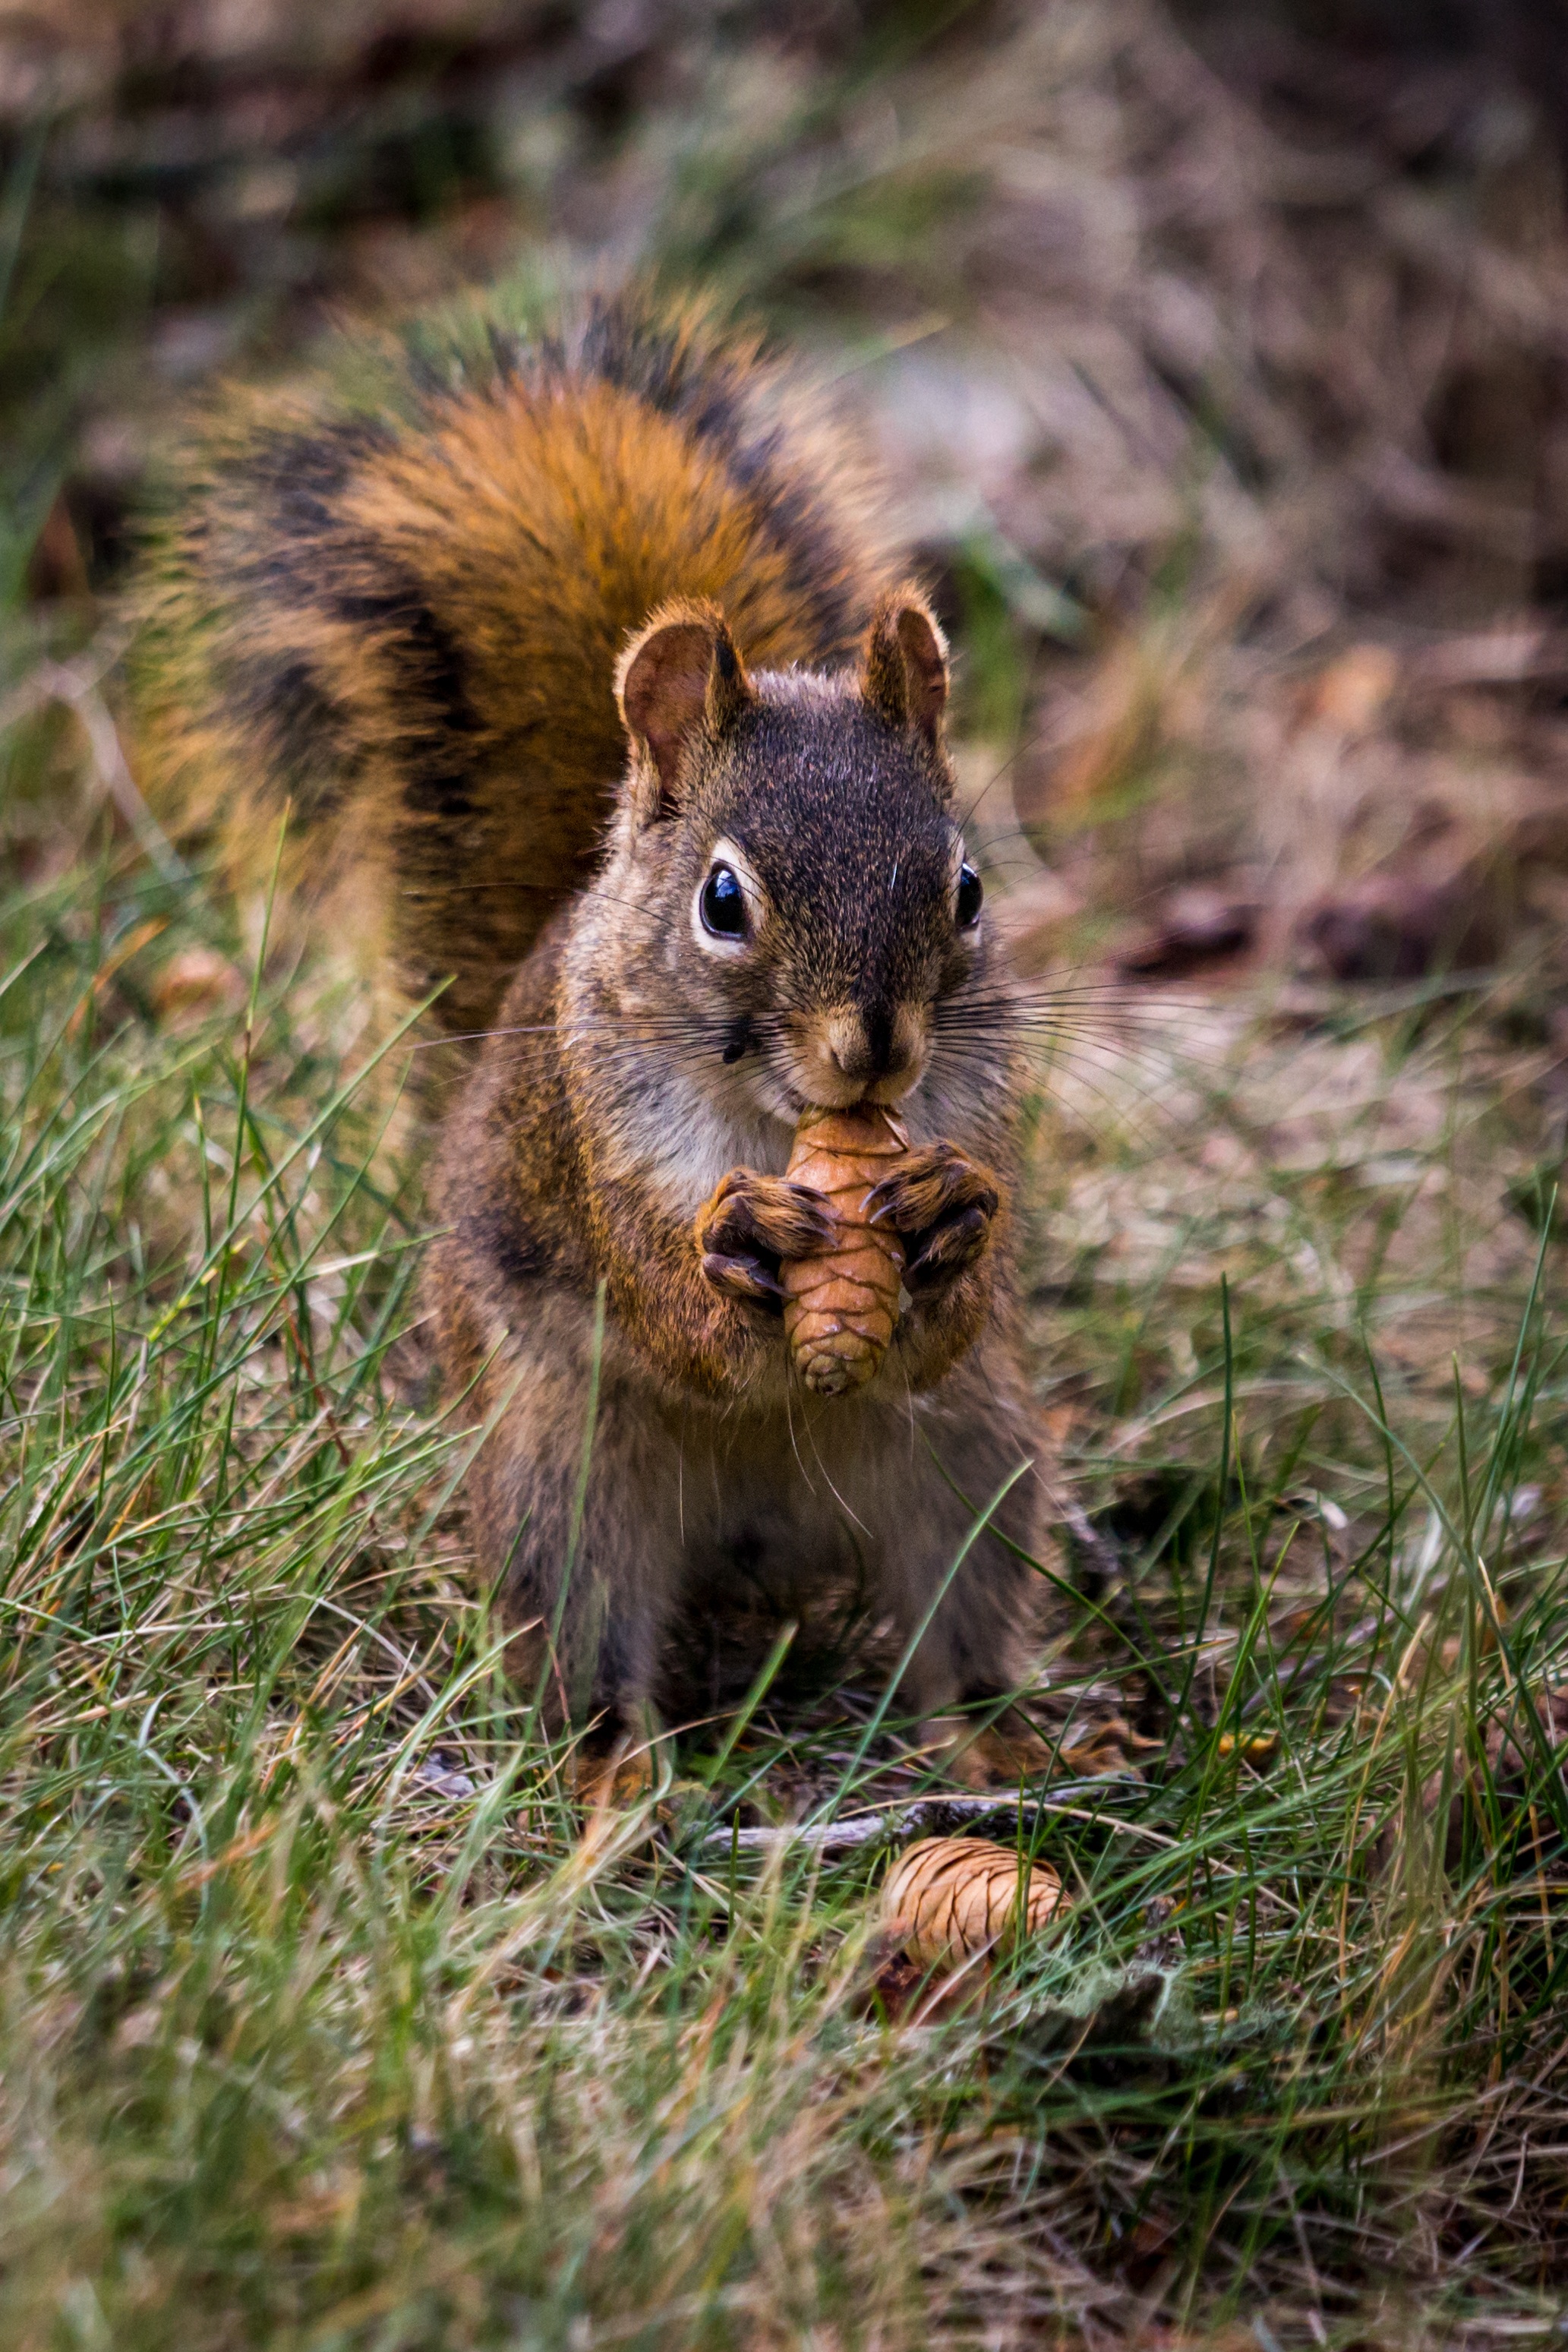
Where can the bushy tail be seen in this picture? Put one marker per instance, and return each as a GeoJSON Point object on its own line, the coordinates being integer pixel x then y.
{"type": "Point", "coordinates": [393, 606]}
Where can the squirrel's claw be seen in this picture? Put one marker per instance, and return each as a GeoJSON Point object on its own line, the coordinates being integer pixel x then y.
{"type": "Point", "coordinates": [942, 1204]}
{"type": "Point", "coordinates": [928, 1185]}
{"type": "Point", "coordinates": [750, 1224]}
{"type": "Point", "coordinates": [763, 1217]}
{"type": "Point", "coordinates": [949, 1247]}
{"type": "Point", "coordinates": [742, 1278]}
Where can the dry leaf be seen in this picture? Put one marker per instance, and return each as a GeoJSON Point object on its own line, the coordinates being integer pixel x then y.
{"type": "Point", "coordinates": [1256, 1746]}
{"type": "Point", "coordinates": [950, 1899]}
{"type": "Point", "coordinates": [1196, 927]}
{"type": "Point", "coordinates": [1110, 1746]}
{"type": "Point", "coordinates": [841, 1305]}
{"type": "Point", "coordinates": [198, 981]}
{"type": "Point", "coordinates": [1400, 925]}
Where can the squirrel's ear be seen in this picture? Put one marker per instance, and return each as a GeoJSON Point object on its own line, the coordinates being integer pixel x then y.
{"type": "Point", "coordinates": [681, 672]}
{"type": "Point", "coordinates": [904, 665]}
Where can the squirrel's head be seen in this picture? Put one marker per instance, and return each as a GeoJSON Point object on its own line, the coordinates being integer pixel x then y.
{"type": "Point", "coordinates": [803, 903]}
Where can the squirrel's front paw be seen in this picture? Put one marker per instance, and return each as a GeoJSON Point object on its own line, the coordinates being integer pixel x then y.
{"type": "Point", "coordinates": [750, 1224]}
{"type": "Point", "coordinates": [943, 1206]}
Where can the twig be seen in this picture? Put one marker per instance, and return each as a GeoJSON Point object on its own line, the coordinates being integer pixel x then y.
{"type": "Point", "coordinates": [78, 689]}
{"type": "Point", "coordinates": [928, 1817]}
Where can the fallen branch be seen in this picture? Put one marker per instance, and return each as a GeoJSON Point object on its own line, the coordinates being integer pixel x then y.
{"type": "Point", "coordinates": [929, 1817]}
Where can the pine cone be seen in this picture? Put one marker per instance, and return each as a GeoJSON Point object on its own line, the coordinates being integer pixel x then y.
{"type": "Point", "coordinates": [947, 1900]}
{"type": "Point", "coordinates": [841, 1305]}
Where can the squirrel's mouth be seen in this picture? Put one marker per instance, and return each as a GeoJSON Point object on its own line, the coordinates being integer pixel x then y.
{"type": "Point", "coordinates": [823, 1063]}
{"type": "Point", "coordinates": [887, 1091]}
{"type": "Point", "coordinates": [847, 1055]}
{"type": "Point", "coordinates": [786, 1102]}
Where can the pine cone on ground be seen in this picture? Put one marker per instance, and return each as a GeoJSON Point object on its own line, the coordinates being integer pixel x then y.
{"type": "Point", "coordinates": [949, 1899]}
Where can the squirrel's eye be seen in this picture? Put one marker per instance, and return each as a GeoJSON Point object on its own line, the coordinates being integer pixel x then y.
{"type": "Point", "coordinates": [971, 897]}
{"type": "Point", "coordinates": [723, 905]}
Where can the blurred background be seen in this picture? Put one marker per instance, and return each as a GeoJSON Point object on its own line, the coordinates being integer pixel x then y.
{"type": "Point", "coordinates": [1218, 351]}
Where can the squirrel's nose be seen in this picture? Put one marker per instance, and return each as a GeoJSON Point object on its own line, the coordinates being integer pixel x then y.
{"type": "Point", "coordinates": [870, 1045]}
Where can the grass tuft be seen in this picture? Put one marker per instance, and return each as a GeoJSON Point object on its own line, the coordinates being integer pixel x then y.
{"type": "Point", "coordinates": [322, 2025]}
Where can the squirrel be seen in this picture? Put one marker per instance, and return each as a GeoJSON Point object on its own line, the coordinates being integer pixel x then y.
{"type": "Point", "coordinates": [583, 651]}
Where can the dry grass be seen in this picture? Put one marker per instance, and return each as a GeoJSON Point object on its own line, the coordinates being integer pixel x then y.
{"type": "Point", "coordinates": [324, 2027]}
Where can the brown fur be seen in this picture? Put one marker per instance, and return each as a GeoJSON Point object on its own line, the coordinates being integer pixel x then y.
{"type": "Point", "coordinates": [421, 635]}
{"type": "Point", "coordinates": [404, 625]}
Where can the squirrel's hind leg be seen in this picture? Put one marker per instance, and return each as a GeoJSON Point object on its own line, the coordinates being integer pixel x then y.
{"type": "Point", "coordinates": [585, 1590]}
{"type": "Point", "coordinates": [981, 1618]}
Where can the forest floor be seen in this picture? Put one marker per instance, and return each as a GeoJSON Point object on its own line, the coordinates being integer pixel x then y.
{"type": "Point", "coordinates": [321, 2023]}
